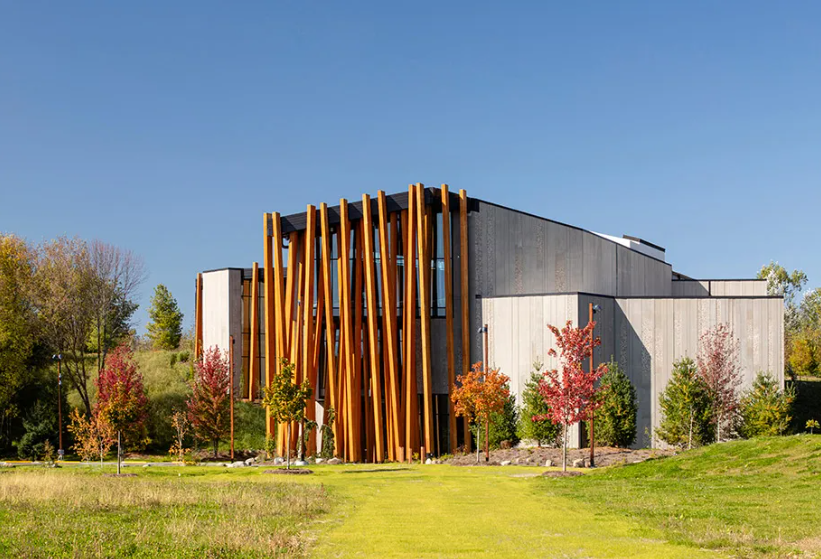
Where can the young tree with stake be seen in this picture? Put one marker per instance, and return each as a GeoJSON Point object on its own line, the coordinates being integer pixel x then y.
{"type": "Point", "coordinates": [571, 392]}
{"type": "Point", "coordinates": [478, 396]}
{"type": "Point", "coordinates": [286, 401]}
{"type": "Point", "coordinates": [208, 405]}
{"type": "Point", "coordinates": [718, 367]}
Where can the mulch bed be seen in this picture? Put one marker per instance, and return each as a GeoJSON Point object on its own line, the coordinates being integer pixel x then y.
{"type": "Point", "coordinates": [562, 474]}
{"type": "Point", "coordinates": [605, 456]}
{"type": "Point", "coordinates": [293, 472]}
{"type": "Point", "coordinates": [119, 475]}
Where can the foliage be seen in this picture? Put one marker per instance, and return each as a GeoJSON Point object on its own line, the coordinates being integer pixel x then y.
{"type": "Point", "coordinates": [327, 433]}
{"type": "Point", "coordinates": [286, 400]}
{"type": "Point", "coordinates": [615, 420]}
{"type": "Point", "coordinates": [208, 405]}
{"type": "Point", "coordinates": [480, 393]}
{"type": "Point", "coordinates": [785, 284]}
{"type": "Point", "coordinates": [181, 425]}
{"type": "Point", "coordinates": [571, 393]}
{"type": "Point", "coordinates": [718, 368]}
{"type": "Point", "coordinates": [765, 409]}
{"type": "Point", "coordinates": [93, 436]}
{"type": "Point", "coordinates": [503, 424]}
{"type": "Point", "coordinates": [686, 408]}
{"type": "Point", "coordinates": [812, 424]}
{"type": "Point", "coordinates": [40, 424]}
{"type": "Point", "coordinates": [805, 353]}
{"type": "Point", "coordinates": [121, 399]}
{"type": "Point", "coordinates": [165, 326]}
{"type": "Point", "coordinates": [543, 431]}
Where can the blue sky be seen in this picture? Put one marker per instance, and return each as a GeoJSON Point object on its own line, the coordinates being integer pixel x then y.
{"type": "Point", "coordinates": [169, 128]}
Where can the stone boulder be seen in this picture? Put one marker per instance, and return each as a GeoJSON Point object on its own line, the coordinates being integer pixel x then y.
{"type": "Point", "coordinates": [548, 463]}
{"type": "Point", "coordinates": [505, 462]}
{"type": "Point", "coordinates": [579, 463]}
{"type": "Point", "coordinates": [334, 461]}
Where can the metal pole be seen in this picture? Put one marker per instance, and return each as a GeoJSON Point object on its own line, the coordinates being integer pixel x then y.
{"type": "Point", "coordinates": [592, 436]}
{"type": "Point", "coordinates": [231, 390]}
{"type": "Point", "coordinates": [487, 419]}
{"type": "Point", "coordinates": [60, 405]}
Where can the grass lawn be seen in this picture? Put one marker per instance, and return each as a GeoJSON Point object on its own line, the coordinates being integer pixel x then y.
{"type": "Point", "coordinates": [744, 499]}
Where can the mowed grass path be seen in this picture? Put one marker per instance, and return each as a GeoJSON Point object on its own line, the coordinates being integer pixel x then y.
{"type": "Point", "coordinates": [446, 511]}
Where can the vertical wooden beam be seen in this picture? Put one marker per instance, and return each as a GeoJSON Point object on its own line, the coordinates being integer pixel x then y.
{"type": "Point", "coordinates": [279, 306]}
{"type": "Point", "coordinates": [423, 223]}
{"type": "Point", "coordinates": [331, 387]}
{"type": "Point", "coordinates": [357, 336]}
{"type": "Point", "coordinates": [345, 320]}
{"type": "Point", "coordinates": [253, 351]}
{"type": "Point", "coordinates": [308, 371]}
{"type": "Point", "coordinates": [373, 316]}
{"type": "Point", "coordinates": [198, 328]}
{"type": "Point", "coordinates": [448, 314]}
{"type": "Point", "coordinates": [389, 334]}
{"type": "Point", "coordinates": [394, 315]}
{"type": "Point", "coordinates": [409, 318]}
{"type": "Point", "coordinates": [290, 281]}
{"type": "Point", "coordinates": [463, 262]}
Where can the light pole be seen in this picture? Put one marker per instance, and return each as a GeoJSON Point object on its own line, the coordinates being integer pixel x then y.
{"type": "Point", "coordinates": [593, 309]}
{"type": "Point", "coordinates": [59, 358]}
{"type": "Point", "coordinates": [483, 331]}
{"type": "Point", "coordinates": [231, 389]}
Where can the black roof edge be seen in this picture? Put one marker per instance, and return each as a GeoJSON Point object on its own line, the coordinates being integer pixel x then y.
{"type": "Point", "coordinates": [643, 242]}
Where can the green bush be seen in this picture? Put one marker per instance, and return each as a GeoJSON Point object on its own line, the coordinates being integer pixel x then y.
{"type": "Point", "coordinates": [40, 424]}
{"type": "Point", "coordinates": [503, 425]}
{"type": "Point", "coordinates": [544, 432]}
{"type": "Point", "coordinates": [685, 406]}
{"type": "Point", "coordinates": [174, 358]}
{"type": "Point", "coordinates": [766, 409]}
{"type": "Point", "coordinates": [615, 420]}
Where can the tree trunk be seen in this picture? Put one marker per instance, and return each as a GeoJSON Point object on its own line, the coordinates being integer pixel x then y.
{"type": "Point", "coordinates": [564, 447]}
{"type": "Point", "coordinates": [478, 441]}
{"type": "Point", "coordinates": [487, 438]}
{"type": "Point", "coordinates": [690, 434]}
{"type": "Point", "coordinates": [216, 443]}
{"type": "Point", "coordinates": [119, 453]}
{"type": "Point", "coordinates": [288, 447]}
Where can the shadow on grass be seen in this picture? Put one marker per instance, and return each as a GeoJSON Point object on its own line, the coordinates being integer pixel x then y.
{"type": "Point", "coordinates": [375, 471]}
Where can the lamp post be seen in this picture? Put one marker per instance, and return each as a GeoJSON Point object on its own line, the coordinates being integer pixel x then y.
{"type": "Point", "coordinates": [592, 310]}
{"type": "Point", "coordinates": [231, 389]}
{"type": "Point", "coordinates": [483, 331]}
{"type": "Point", "coordinates": [59, 358]}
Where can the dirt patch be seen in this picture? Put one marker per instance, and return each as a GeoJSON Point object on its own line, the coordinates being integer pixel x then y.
{"type": "Point", "coordinates": [561, 474]}
{"type": "Point", "coordinates": [119, 475]}
{"type": "Point", "coordinates": [605, 456]}
{"type": "Point", "coordinates": [285, 471]}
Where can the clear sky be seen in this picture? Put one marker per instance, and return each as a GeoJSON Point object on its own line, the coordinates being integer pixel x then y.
{"type": "Point", "coordinates": [170, 127]}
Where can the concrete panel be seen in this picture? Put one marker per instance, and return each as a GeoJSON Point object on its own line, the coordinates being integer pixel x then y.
{"type": "Point", "coordinates": [690, 288]}
{"type": "Point", "coordinates": [222, 315]}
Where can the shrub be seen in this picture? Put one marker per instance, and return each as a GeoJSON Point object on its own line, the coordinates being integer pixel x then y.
{"type": "Point", "coordinates": [805, 354]}
{"type": "Point", "coordinates": [503, 425]}
{"type": "Point", "coordinates": [173, 360]}
{"type": "Point", "coordinates": [543, 431]}
{"type": "Point", "coordinates": [184, 356]}
{"type": "Point", "coordinates": [812, 425]}
{"type": "Point", "coordinates": [615, 420]}
{"type": "Point", "coordinates": [40, 425]}
{"type": "Point", "coordinates": [327, 432]}
{"type": "Point", "coordinates": [686, 408]}
{"type": "Point", "coordinates": [765, 409]}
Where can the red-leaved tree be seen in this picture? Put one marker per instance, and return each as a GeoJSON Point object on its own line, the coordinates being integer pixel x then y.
{"type": "Point", "coordinates": [571, 392]}
{"type": "Point", "coordinates": [121, 399]}
{"type": "Point", "coordinates": [208, 405]}
{"type": "Point", "coordinates": [478, 396]}
{"type": "Point", "coordinates": [718, 367]}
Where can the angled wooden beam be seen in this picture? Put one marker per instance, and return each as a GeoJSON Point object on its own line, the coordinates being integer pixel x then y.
{"type": "Point", "coordinates": [448, 314]}
{"type": "Point", "coordinates": [389, 334]}
{"type": "Point", "coordinates": [290, 291]}
{"type": "Point", "coordinates": [253, 346]}
{"type": "Point", "coordinates": [331, 387]}
{"type": "Point", "coordinates": [373, 317]}
{"type": "Point", "coordinates": [423, 223]}
{"type": "Point", "coordinates": [278, 276]}
{"type": "Point", "coordinates": [463, 263]}
{"type": "Point", "coordinates": [345, 322]}
{"type": "Point", "coordinates": [308, 370]}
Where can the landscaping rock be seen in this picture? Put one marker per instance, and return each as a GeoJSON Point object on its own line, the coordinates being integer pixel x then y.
{"type": "Point", "coordinates": [428, 461]}
{"type": "Point", "coordinates": [250, 462]}
{"type": "Point", "coordinates": [300, 463]}
{"type": "Point", "coordinates": [146, 465]}
{"type": "Point", "coordinates": [238, 464]}
{"type": "Point", "coordinates": [278, 460]}
{"type": "Point", "coordinates": [6, 465]}
{"type": "Point", "coordinates": [579, 463]}
{"type": "Point", "coordinates": [320, 460]}
{"type": "Point", "coordinates": [506, 463]}
{"type": "Point", "coordinates": [548, 463]}
{"type": "Point", "coordinates": [334, 461]}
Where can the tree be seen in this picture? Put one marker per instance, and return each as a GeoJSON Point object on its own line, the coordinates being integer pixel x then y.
{"type": "Point", "coordinates": [543, 431]}
{"type": "Point", "coordinates": [616, 417]}
{"type": "Point", "coordinates": [765, 409]}
{"type": "Point", "coordinates": [782, 283]}
{"type": "Point", "coordinates": [686, 409]}
{"type": "Point", "coordinates": [810, 310]}
{"type": "Point", "coordinates": [327, 433]}
{"type": "Point", "coordinates": [93, 436]}
{"type": "Point", "coordinates": [805, 353]}
{"type": "Point", "coordinates": [165, 328]}
{"type": "Point", "coordinates": [40, 424]}
{"type": "Point", "coordinates": [503, 424]}
{"type": "Point", "coordinates": [208, 405]}
{"type": "Point", "coordinates": [179, 421]}
{"type": "Point", "coordinates": [571, 393]}
{"type": "Point", "coordinates": [480, 394]}
{"type": "Point", "coordinates": [718, 368]}
{"type": "Point", "coordinates": [121, 399]}
{"type": "Point", "coordinates": [286, 401]}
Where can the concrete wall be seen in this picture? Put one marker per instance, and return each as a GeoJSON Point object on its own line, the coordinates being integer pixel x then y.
{"type": "Point", "coordinates": [644, 335]}
{"type": "Point", "coordinates": [719, 288]}
{"type": "Point", "coordinates": [222, 314]}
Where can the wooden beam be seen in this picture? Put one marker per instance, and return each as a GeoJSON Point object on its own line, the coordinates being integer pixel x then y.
{"type": "Point", "coordinates": [290, 292]}
{"type": "Point", "coordinates": [331, 387]}
{"type": "Point", "coordinates": [345, 321]}
{"type": "Point", "coordinates": [278, 311]}
{"type": "Point", "coordinates": [448, 314]}
{"type": "Point", "coordinates": [463, 262]}
{"type": "Point", "coordinates": [253, 346]}
{"type": "Point", "coordinates": [389, 334]}
{"type": "Point", "coordinates": [198, 333]}
{"type": "Point", "coordinates": [308, 371]}
{"type": "Point", "coordinates": [423, 222]}
{"type": "Point", "coordinates": [373, 316]}
{"type": "Point", "coordinates": [410, 393]}
{"type": "Point", "coordinates": [357, 336]}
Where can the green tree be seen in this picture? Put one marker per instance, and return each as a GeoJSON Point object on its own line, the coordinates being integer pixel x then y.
{"type": "Point", "coordinates": [686, 408]}
{"type": "Point", "coordinates": [286, 401]}
{"type": "Point", "coordinates": [765, 409]}
{"type": "Point", "coordinates": [805, 353]}
{"type": "Point", "coordinates": [503, 424]}
{"type": "Point", "coordinates": [616, 418]}
{"type": "Point", "coordinates": [40, 424]}
{"type": "Point", "coordinates": [165, 327]}
{"type": "Point", "coordinates": [543, 431]}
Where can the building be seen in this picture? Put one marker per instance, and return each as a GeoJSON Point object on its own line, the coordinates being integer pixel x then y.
{"type": "Point", "coordinates": [387, 373]}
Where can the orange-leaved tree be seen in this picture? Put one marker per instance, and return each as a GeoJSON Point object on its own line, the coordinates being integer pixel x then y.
{"type": "Point", "coordinates": [571, 392]}
{"type": "Point", "coordinates": [480, 393]}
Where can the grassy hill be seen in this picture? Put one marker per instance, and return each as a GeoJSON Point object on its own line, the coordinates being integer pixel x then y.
{"type": "Point", "coordinates": [750, 498]}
